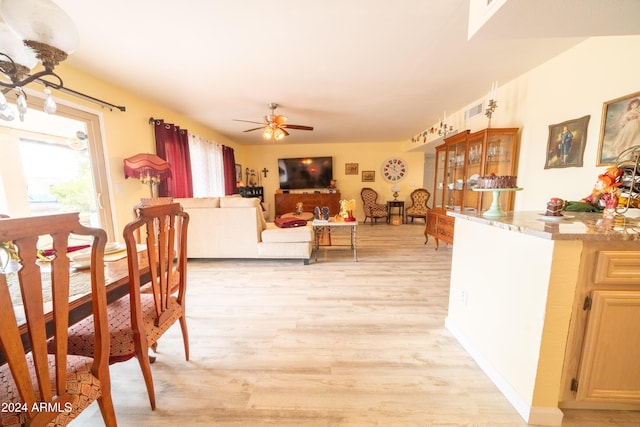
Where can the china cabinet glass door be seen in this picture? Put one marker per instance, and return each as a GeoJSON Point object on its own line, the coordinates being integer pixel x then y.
{"type": "Point", "coordinates": [438, 199]}
{"type": "Point", "coordinates": [474, 171]}
{"type": "Point", "coordinates": [499, 158]}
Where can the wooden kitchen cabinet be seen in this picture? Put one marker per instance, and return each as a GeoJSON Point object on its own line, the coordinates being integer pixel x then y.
{"type": "Point", "coordinates": [603, 350]}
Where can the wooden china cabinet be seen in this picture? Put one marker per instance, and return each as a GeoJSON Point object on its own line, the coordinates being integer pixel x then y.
{"type": "Point", "coordinates": [463, 158]}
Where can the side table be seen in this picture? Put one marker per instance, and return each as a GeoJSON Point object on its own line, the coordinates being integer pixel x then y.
{"type": "Point", "coordinates": [320, 226]}
{"type": "Point", "coordinates": [399, 204]}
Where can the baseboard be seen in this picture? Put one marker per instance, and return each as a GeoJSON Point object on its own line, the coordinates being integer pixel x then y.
{"type": "Point", "coordinates": [533, 415]}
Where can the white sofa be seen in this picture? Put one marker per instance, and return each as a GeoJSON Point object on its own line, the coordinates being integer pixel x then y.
{"type": "Point", "coordinates": [234, 227]}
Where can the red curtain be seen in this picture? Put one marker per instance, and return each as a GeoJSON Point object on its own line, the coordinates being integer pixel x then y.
{"type": "Point", "coordinates": [229, 162]}
{"type": "Point", "coordinates": [172, 144]}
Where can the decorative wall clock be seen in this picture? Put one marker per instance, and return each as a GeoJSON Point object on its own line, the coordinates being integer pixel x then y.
{"type": "Point", "coordinates": [394, 169]}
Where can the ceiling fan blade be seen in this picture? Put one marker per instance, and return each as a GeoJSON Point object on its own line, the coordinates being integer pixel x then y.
{"type": "Point", "coordinates": [284, 131]}
{"type": "Point", "coordinates": [299, 127]}
{"type": "Point", "coordinates": [248, 121]}
{"type": "Point", "coordinates": [249, 130]}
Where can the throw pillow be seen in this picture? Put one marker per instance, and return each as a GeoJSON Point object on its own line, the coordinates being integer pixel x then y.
{"type": "Point", "coordinates": [239, 202]}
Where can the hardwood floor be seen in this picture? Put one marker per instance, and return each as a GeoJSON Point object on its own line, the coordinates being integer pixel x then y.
{"type": "Point", "coordinates": [333, 343]}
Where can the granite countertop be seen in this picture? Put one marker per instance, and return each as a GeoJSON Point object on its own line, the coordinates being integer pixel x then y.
{"type": "Point", "coordinates": [573, 225]}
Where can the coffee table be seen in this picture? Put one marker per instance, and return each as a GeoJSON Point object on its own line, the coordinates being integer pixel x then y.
{"type": "Point", "coordinates": [322, 225]}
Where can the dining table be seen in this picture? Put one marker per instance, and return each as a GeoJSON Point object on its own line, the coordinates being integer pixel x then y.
{"type": "Point", "coordinates": [116, 275]}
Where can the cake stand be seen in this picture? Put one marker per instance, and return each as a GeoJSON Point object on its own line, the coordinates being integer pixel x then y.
{"type": "Point", "coordinates": [495, 211]}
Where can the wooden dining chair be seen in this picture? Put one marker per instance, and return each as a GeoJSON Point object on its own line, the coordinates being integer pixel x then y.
{"type": "Point", "coordinates": [39, 386]}
{"type": "Point", "coordinates": [139, 319]}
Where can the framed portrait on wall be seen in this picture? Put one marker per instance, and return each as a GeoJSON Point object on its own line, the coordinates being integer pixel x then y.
{"type": "Point", "coordinates": [565, 146]}
{"type": "Point", "coordinates": [368, 176]}
{"type": "Point", "coordinates": [620, 127]}
{"type": "Point", "coordinates": [351, 169]}
{"type": "Point", "coordinates": [238, 172]}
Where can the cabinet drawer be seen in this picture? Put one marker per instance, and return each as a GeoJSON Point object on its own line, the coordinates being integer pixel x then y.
{"type": "Point", "coordinates": [617, 268]}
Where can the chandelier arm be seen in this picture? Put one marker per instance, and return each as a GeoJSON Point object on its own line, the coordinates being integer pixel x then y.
{"type": "Point", "coordinates": [34, 77]}
{"type": "Point", "coordinates": [84, 96]}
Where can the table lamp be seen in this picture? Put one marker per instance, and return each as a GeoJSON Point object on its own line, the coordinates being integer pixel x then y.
{"type": "Point", "coordinates": [395, 188]}
{"type": "Point", "coordinates": [148, 168]}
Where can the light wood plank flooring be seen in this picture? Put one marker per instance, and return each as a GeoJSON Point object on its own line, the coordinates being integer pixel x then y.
{"type": "Point", "coordinates": [333, 343]}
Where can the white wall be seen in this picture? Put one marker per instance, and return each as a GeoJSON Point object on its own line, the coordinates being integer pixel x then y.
{"type": "Point", "coordinates": [569, 86]}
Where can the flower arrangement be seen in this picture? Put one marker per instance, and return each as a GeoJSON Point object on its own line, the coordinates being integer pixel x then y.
{"type": "Point", "coordinates": [346, 210]}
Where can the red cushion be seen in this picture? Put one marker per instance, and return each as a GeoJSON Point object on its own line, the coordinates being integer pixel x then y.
{"type": "Point", "coordinates": [289, 222]}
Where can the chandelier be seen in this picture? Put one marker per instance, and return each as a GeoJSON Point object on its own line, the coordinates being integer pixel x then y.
{"type": "Point", "coordinates": [32, 32]}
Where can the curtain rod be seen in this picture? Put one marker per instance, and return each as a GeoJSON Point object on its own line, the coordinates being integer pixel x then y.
{"type": "Point", "coordinates": [82, 95]}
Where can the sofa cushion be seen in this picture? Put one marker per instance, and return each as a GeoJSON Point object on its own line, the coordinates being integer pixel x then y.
{"type": "Point", "coordinates": [240, 202]}
{"type": "Point", "coordinates": [234, 201]}
{"type": "Point", "coordinates": [199, 202]}
{"type": "Point", "coordinates": [273, 234]}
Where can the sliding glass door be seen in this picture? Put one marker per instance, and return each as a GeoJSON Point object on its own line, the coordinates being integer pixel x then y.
{"type": "Point", "coordinates": [55, 163]}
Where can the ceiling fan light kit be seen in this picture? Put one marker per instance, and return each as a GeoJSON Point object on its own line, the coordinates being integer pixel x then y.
{"type": "Point", "coordinates": [274, 125]}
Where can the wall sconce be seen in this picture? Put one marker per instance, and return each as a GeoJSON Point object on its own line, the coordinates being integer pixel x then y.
{"type": "Point", "coordinates": [148, 168]}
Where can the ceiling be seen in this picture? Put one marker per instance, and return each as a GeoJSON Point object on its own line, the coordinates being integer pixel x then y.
{"type": "Point", "coordinates": [357, 70]}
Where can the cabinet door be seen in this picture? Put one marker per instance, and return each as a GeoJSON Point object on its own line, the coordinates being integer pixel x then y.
{"type": "Point", "coordinates": [475, 150]}
{"type": "Point", "coordinates": [499, 158]}
{"type": "Point", "coordinates": [438, 191]}
{"type": "Point", "coordinates": [610, 366]}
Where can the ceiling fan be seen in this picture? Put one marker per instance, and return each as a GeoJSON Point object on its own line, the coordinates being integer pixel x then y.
{"type": "Point", "coordinates": [274, 125]}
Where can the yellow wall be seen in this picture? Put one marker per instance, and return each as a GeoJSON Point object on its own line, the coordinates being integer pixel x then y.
{"type": "Point", "coordinates": [369, 156]}
{"type": "Point", "coordinates": [128, 133]}
{"type": "Point", "coordinates": [574, 84]}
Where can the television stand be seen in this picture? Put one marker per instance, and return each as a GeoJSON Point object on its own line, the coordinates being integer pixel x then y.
{"type": "Point", "coordinates": [286, 203]}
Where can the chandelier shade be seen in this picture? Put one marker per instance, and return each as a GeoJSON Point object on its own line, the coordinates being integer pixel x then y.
{"type": "Point", "coordinates": [41, 21]}
{"type": "Point", "coordinates": [13, 47]}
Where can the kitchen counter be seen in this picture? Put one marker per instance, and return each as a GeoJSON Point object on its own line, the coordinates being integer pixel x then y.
{"type": "Point", "coordinates": [517, 292]}
{"type": "Point", "coordinates": [572, 226]}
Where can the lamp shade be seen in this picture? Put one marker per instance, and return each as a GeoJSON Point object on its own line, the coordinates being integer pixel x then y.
{"type": "Point", "coordinates": [146, 164]}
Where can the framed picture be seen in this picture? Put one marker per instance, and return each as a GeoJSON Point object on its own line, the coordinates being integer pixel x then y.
{"type": "Point", "coordinates": [368, 176]}
{"type": "Point", "coordinates": [620, 127]}
{"type": "Point", "coordinates": [565, 147]}
{"type": "Point", "coordinates": [351, 169]}
{"type": "Point", "coordinates": [238, 172]}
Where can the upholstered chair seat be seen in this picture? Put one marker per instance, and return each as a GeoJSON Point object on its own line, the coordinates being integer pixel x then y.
{"type": "Point", "coordinates": [122, 342]}
{"type": "Point", "coordinates": [83, 388]}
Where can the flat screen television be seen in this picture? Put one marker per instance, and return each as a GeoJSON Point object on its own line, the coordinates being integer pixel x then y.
{"type": "Point", "coordinates": [305, 172]}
